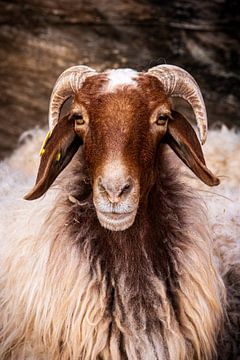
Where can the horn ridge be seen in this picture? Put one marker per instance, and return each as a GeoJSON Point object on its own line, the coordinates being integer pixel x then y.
{"type": "Point", "coordinates": [177, 82]}
{"type": "Point", "coordinates": [68, 83]}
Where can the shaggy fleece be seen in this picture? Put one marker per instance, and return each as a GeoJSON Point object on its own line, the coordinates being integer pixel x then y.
{"type": "Point", "coordinates": [222, 153]}
{"type": "Point", "coordinates": [17, 174]}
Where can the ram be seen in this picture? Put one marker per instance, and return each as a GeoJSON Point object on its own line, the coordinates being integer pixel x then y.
{"type": "Point", "coordinates": [117, 260]}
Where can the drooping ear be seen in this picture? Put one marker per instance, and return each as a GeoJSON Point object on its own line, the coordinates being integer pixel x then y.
{"type": "Point", "coordinates": [56, 154]}
{"type": "Point", "coordinates": [182, 139]}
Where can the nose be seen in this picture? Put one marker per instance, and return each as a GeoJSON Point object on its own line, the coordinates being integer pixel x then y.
{"type": "Point", "coordinates": [115, 189]}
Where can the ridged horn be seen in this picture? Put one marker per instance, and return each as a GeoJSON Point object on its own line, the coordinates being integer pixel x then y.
{"type": "Point", "coordinates": [179, 83]}
{"type": "Point", "coordinates": [68, 83]}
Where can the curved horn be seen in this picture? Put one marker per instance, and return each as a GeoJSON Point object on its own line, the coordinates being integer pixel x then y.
{"type": "Point", "coordinates": [178, 82]}
{"type": "Point", "coordinates": [68, 83]}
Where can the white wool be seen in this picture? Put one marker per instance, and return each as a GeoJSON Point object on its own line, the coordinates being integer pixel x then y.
{"type": "Point", "coordinates": [120, 77]}
{"type": "Point", "coordinates": [17, 175]}
{"type": "Point", "coordinates": [26, 159]}
{"type": "Point", "coordinates": [222, 154]}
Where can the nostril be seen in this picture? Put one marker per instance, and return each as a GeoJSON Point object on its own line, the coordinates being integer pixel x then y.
{"type": "Point", "coordinates": [114, 189]}
{"type": "Point", "coordinates": [127, 187]}
{"type": "Point", "coordinates": [101, 187]}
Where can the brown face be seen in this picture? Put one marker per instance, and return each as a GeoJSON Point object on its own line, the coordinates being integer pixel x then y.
{"type": "Point", "coordinates": [120, 132]}
{"type": "Point", "coordinates": [120, 123]}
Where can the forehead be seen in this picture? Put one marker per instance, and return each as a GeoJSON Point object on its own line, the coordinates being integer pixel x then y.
{"type": "Point", "coordinates": [122, 90]}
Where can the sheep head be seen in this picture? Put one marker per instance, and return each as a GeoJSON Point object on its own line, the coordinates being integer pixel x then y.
{"type": "Point", "coordinates": [121, 117]}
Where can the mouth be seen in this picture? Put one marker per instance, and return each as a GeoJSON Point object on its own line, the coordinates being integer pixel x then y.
{"type": "Point", "coordinates": [116, 221]}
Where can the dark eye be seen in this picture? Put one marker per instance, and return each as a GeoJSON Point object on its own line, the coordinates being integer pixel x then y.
{"type": "Point", "coordinates": [78, 118]}
{"type": "Point", "coordinates": [162, 119]}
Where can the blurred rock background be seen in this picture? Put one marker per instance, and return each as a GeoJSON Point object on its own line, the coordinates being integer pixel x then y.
{"type": "Point", "coordinates": [40, 38]}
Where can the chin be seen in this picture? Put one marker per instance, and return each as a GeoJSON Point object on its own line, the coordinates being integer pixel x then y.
{"type": "Point", "coordinates": [116, 222]}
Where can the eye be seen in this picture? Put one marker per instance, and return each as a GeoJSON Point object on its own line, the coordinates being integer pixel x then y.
{"type": "Point", "coordinates": [162, 119]}
{"type": "Point", "coordinates": [78, 118]}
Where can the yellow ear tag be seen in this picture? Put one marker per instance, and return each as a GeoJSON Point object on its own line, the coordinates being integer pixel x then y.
{"type": "Point", "coordinates": [44, 143]}
{"type": "Point", "coordinates": [58, 156]}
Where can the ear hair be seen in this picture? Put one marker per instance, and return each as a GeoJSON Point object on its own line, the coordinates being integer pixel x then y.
{"type": "Point", "coordinates": [182, 139]}
{"type": "Point", "coordinates": [57, 152]}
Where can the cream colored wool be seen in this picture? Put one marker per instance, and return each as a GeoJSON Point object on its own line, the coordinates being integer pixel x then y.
{"type": "Point", "coordinates": [54, 307]}
{"type": "Point", "coordinates": [222, 153]}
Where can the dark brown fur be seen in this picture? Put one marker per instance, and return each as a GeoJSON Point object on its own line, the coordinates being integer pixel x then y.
{"type": "Point", "coordinates": [144, 249]}
{"type": "Point", "coordinates": [120, 125]}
